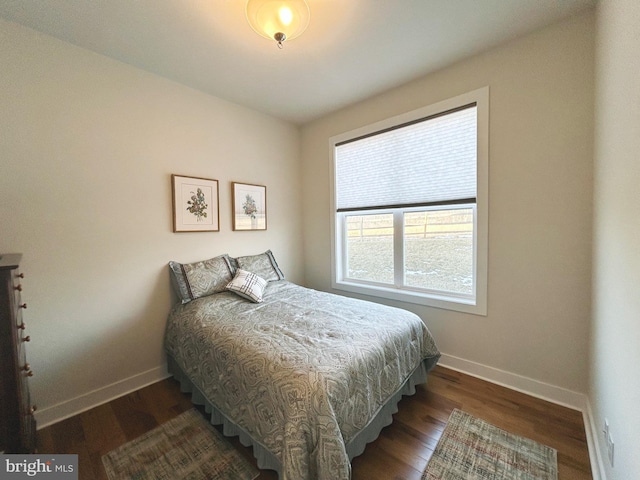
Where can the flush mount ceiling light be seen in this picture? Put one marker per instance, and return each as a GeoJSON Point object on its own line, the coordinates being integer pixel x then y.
{"type": "Point", "coordinates": [278, 20]}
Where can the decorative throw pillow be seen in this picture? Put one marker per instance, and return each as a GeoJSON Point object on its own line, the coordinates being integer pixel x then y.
{"type": "Point", "coordinates": [199, 279]}
{"type": "Point", "coordinates": [263, 265]}
{"type": "Point", "coordinates": [248, 285]}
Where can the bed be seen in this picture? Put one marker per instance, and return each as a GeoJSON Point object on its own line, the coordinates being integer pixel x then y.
{"type": "Point", "coordinates": [307, 378]}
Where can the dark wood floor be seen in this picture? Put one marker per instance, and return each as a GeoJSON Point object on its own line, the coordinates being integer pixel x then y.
{"type": "Point", "coordinates": [401, 451]}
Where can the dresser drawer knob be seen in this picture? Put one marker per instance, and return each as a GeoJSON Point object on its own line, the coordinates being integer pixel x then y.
{"type": "Point", "coordinates": [24, 305]}
{"type": "Point", "coordinates": [18, 287]}
{"type": "Point", "coordinates": [27, 338]}
{"type": "Point", "coordinates": [32, 410]}
{"type": "Point", "coordinates": [20, 275]}
{"type": "Point", "coordinates": [22, 326]}
{"type": "Point", "coordinates": [29, 373]}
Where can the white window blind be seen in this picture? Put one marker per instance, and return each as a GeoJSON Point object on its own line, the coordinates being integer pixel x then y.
{"type": "Point", "coordinates": [425, 162]}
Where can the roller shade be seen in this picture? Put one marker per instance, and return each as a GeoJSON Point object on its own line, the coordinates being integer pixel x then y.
{"type": "Point", "coordinates": [425, 162]}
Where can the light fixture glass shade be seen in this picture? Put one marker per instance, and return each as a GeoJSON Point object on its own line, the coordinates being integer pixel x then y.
{"type": "Point", "coordinates": [272, 18]}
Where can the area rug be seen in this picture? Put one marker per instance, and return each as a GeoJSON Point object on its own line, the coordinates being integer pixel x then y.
{"type": "Point", "coordinates": [472, 449]}
{"type": "Point", "coordinates": [186, 447]}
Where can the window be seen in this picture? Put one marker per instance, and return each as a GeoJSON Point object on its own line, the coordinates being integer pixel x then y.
{"type": "Point", "coordinates": [410, 206]}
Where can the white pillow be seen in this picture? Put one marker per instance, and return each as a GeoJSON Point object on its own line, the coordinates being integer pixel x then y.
{"type": "Point", "coordinates": [248, 285]}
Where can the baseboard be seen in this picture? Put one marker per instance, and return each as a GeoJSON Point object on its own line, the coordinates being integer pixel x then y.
{"type": "Point", "coordinates": [598, 471]}
{"type": "Point", "coordinates": [69, 408]}
{"type": "Point", "coordinates": [544, 391]}
{"type": "Point", "coordinates": [535, 388]}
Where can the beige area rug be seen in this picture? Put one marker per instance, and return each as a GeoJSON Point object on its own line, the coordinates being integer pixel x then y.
{"type": "Point", "coordinates": [472, 449]}
{"type": "Point", "coordinates": [185, 448]}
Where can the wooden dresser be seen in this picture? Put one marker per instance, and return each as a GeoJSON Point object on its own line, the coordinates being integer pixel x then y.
{"type": "Point", "coordinates": [17, 425]}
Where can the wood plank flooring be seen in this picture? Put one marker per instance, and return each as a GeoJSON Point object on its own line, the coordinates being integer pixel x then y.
{"type": "Point", "coordinates": [401, 451]}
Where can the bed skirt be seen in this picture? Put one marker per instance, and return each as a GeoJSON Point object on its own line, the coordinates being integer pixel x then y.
{"type": "Point", "coordinates": [266, 459]}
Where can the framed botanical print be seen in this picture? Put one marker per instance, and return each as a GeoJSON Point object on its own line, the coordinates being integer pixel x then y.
{"type": "Point", "coordinates": [249, 206]}
{"type": "Point", "coordinates": [195, 204]}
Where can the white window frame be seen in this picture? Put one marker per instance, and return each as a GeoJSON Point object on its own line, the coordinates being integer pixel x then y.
{"type": "Point", "coordinates": [475, 303]}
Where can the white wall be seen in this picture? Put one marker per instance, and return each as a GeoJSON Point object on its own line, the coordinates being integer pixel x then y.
{"type": "Point", "coordinates": [87, 148]}
{"type": "Point", "coordinates": [540, 191]}
{"type": "Point", "coordinates": [615, 346]}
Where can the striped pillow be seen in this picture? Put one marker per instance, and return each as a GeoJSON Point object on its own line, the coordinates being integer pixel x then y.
{"type": "Point", "coordinates": [248, 285]}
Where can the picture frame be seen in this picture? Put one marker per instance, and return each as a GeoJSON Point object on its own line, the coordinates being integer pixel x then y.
{"type": "Point", "coordinates": [249, 206]}
{"type": "Point", "coordinates": [196, 205]}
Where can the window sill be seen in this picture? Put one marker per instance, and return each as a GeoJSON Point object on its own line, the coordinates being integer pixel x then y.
{"type": "Point", "coordinates": [430, 300]}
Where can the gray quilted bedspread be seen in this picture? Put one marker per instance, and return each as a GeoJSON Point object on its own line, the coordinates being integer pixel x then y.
{"type": "Point", "coordinates": [302, 372]}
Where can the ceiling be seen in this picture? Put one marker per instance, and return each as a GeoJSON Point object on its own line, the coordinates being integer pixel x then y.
{"type": "Point", "coordinates": [352, 49]}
